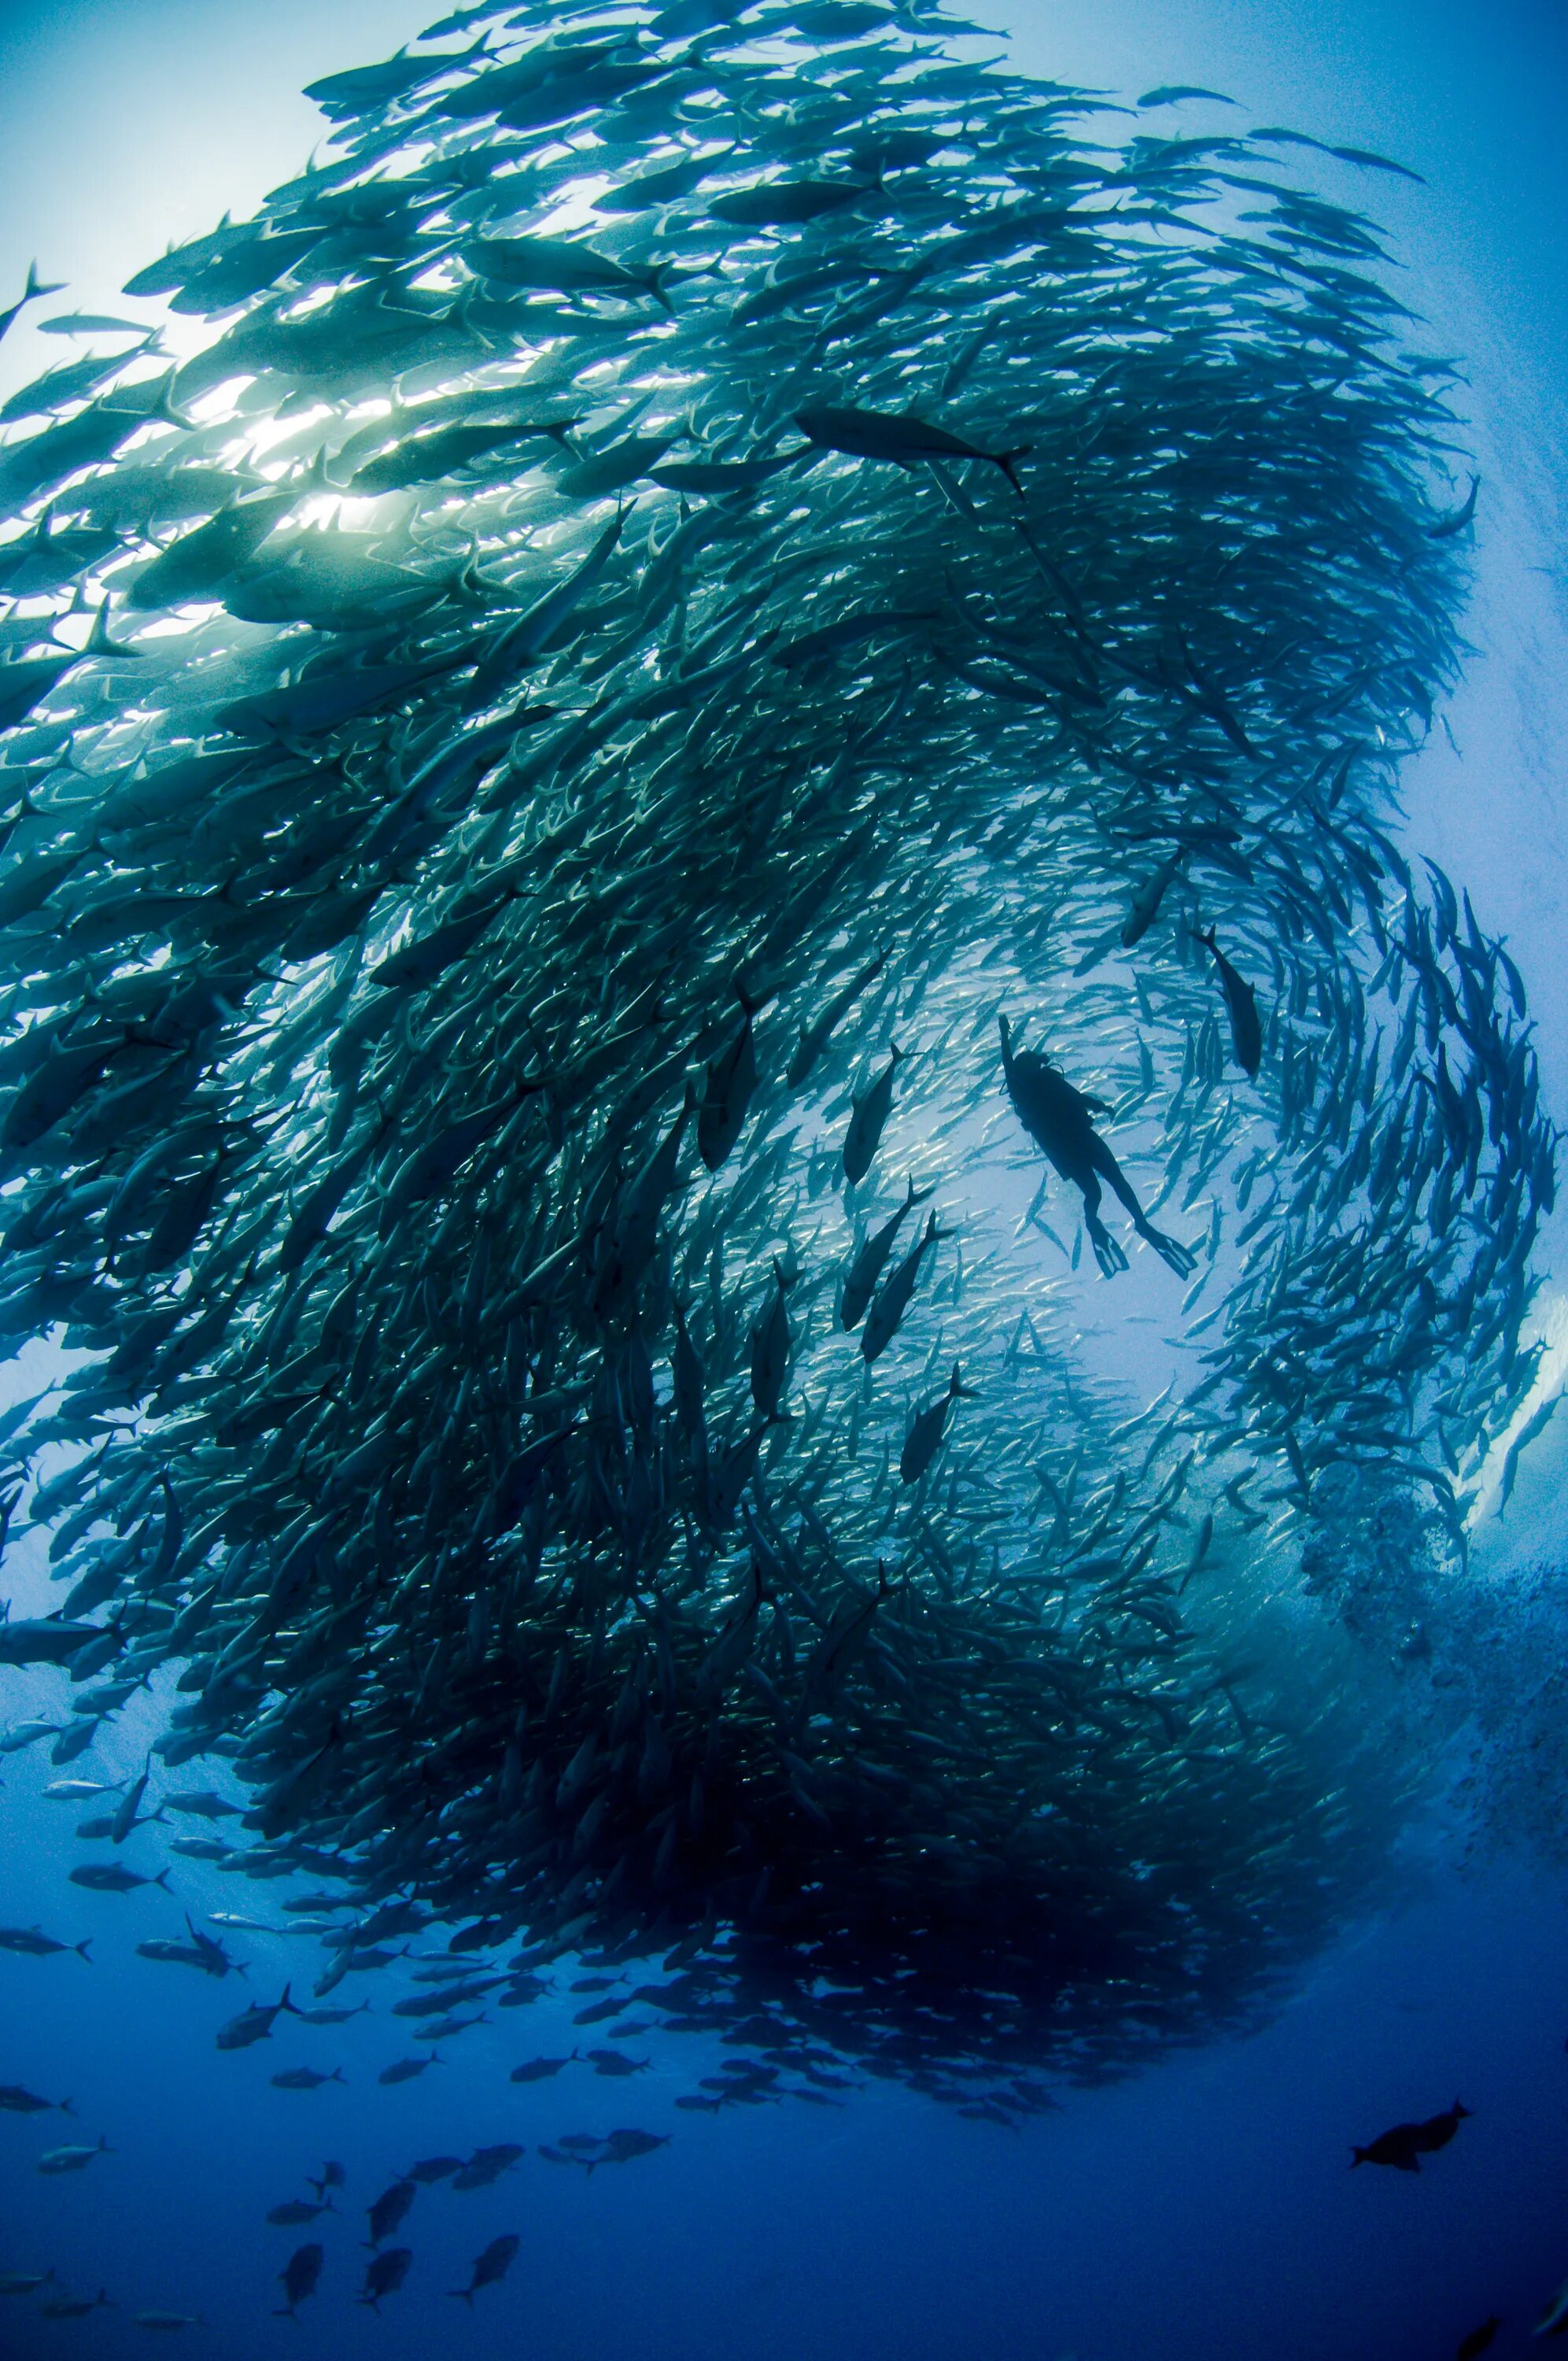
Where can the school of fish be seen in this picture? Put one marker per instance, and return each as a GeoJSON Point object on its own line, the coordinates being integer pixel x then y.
{"type": "Point", "coordinates": [759, 677]}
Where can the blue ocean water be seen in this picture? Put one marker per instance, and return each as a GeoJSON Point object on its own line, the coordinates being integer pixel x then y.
{"type": "Point", "coordinates": [1201, 2206]}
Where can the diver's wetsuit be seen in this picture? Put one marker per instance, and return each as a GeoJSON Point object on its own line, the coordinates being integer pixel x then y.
{"type": "Point", "coordinates": [1058, 1118]}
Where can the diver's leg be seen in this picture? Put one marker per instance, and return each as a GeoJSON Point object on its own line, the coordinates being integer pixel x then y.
{"type": "Point", "coordinates": [1180, 1259]}
{"type": "Point", "coordinates": [1107, 1253]}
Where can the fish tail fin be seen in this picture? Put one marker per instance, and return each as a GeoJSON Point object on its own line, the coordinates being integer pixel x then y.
{"type": "Point", "coordinates": [287, 2003]}
{"type": "Point", "coordinates": [37, 286]}
{"type": "Point", "coordinates": [162, 1879]}
{"type": "Point", "coordinates": [1007, 461]}
{"type": "Point", "coordinates": [753, 1003]}
{"type": "Point", "coordinates": [1357, 2156]}
{"type": "Point", "coordinates": [66, 2108]}
{"type": "Point", "coordinates": [83, 1947]}
{"type": "Point", "coordinates": [98, 641]}
{"type": "Point", "coordinates": [165, 408]}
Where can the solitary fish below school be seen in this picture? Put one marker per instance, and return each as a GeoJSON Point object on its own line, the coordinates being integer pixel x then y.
{"type": "Point", "coordinates": [483, 994]}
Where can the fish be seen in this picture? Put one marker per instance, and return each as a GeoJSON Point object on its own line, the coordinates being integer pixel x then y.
{"type": "Point", "coordinates": [873, 435]}
{"type": "Point", "coordinates": [861, 1280]}
{"type": "Point", "coordinates": [200, 1951]}
{"type": "Point", "coordinates": [384, 2275]}
{"type": "Point", "coordinates": [33, 1944]}
{"type": "Point", "coordinates": [46, 1640]}
{"type": "Point", "coordinates": [113, 1877]}
{"type": "Point", "coordinates": [728, 1084]}
{"type": "Point", "coordinates": [892, 1300]}
{"type": "Point", "coordinates": [559, 265]}
{"type": "Point", "coordinates": [621, 2146]}
{"type": "Point", "coordinates": [447, 2028]}
{"type": "Point", "coordinates": [814, 1037]}
{"type": "Point", "coordinates": [1403, 2148]}
{"type": "Point", "coordinates": [1145, 905]}
{"type": "Point", "coordinates": [1553, 2321]}
{"type": "Point", "coordinates": [433, 2169]}
{"type": "Point", "coordinates": [202, 1804]}
{"type": "Point", "coordinates": [253, 2024]}
{"type": "Point", "coordinates": [305, 2078]}
{"type": "Point", "coordinates": [490, 2267]}
{"type": "Point", "coordinates": [74, 2307]}
{"type": "Point", "coordinates": [541, 2069]}
{"type": "Point", "coordinates": [299, 2278]}
{"type": "Point", "coordinates": [1241, 1004]}
{"type": "Point", "coordinates": [89, 323]}
{"type": "Point", "coordinates": [769, 1344]}
{"type": "Point", "coordinates": [928, 1427]}
{"type": "Point", "coordinates": [17, 2100]}
{"type": "Point", "coordinates": [389, 2210]}
{"type": "Point", "coordinates": [295, 2212]}
{"type": "Point", "coordinates": [169, 2322]}
{"type": "Point", "coordinates": [1478, 2338]}
{"type": "Point", "coordinates": [26, 1734]}
{"type": "Point", "coordinates": [1449, 525]}
{"type": "Point", "coordinates": [442, 451]}
{"type": "Point", "coordinates": [57, 2160]}
{"type": "Point", "coordinates": [869, 1121]}
{"type": "Point", "coordinates": [487, 2165]}
{"type": "Point", "coordinates": [404, 2069]}
{"type": "Point", "coordinates": [35, 288]}
{"type": "Point", "coordinates": [1173, 93]}
{"type": "Point", "coordinates": [615, 2063]}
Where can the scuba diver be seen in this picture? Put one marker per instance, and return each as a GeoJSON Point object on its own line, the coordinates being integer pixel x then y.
{"type": "Point", "coordinates": [1059, 1120]}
